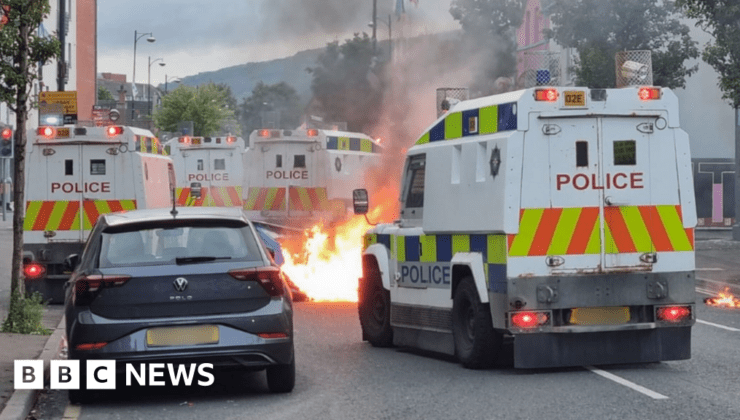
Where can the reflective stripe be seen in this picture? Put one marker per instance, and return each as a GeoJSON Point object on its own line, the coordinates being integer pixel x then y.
{"type": "Point", "coordinates": [65, 215]}
{"type": "Point", "coordinates": [491, 119]}
{"type": "Point", "coordinates": [211, 197]}
{"type": "Point", "coordinates": [308, 199]}
{"type": "Point", "coordinates": [265, 199]}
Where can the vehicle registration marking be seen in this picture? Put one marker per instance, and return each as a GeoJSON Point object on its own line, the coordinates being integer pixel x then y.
{"type": "Point", "coordinates": [196, 140]}
{"type": "Point", "coordinates": [575, 98]}
{"type": "Point", "coordinates": [182, 336]}
{"type": "Point", "coordinates": [63, 133]}
{"type": "Point", "coordinates": [614, 315]}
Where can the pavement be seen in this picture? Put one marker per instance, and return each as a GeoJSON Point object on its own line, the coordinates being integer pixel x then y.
{"type": "Point", "coordinates": [17, 405]}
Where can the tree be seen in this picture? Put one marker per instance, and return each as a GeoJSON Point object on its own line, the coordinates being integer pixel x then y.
{"type": "Point", "coordinates": [280, 97]}
{"type": "Point", "coordinates": [21, 49]}
{"type": "Point", "coordinates": [104, 94]}
{"type": "Point", "coordinates": [345, 84]}
{"type": "Point", "coordinates": [489, 28]}
{"type": "Point", "coordinates": [205, 106]}
{"type": "Point", "coordinates": [721, 19]}
{"type": "Point", "coordinates": [599, 29]}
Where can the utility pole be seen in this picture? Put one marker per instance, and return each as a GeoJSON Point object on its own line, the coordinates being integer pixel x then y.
{"type": "Point", "coordinates": [62, 63]}
{"type": "Point", "coordinates": [736, 226]}
{"type": "Point", "coordinates": [375, 24]}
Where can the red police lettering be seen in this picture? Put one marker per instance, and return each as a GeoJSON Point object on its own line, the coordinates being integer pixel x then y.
{"type": "Point", "coordinates": [86, 187]}
{"type": "Point", "coordinates": [617, 181]}
{"type": "Point", "coordinates": [287, 174]}
{"type": "Point", "coordinates": [208, 177]}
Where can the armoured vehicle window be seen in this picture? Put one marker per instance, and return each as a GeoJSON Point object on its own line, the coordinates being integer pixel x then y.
{"type": "Point", "coordinates": [200, 164]}
{"type": "Point", "coordinates": [278, 161]}
{"type": "Point", "coordinates": [219, 164]}
{"type": "Point", "coordinates": [581, 153]}
{"type": "Point", "coordinates": [625, 152]}
{"type": "Point", "coordinates": [415, 181]}
{"type": "Point", "coordinates": [69, 167]}
{"type": "Point", "coordinates": [97, 166]}
{"type": "Point", "coordinates": [299, 161]}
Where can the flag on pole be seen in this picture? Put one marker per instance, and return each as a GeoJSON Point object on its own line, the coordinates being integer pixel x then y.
{"type": "Point", "coordinates": [134, 93]}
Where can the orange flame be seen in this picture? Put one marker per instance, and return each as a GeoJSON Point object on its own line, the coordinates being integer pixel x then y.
{"type": "Point", "coordinates": [326, 261]}
{"type": "Point", "coordinates": [725, 299]}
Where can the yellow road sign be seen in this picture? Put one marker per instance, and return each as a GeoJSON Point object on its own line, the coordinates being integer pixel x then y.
{"type": "Point", "coordinates": [67, 99]}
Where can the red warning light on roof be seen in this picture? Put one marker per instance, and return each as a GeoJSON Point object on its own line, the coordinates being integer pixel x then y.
{"type": "Point", "coordinates": [546, 95]}
{"type": "Point", "coordinates": [264, 133]}
{"type": "Point", "coordinates": [648, 93]}
{"type": "Point", "coordinates": [230, 139]}
{"type": "Point", "coordinates": [312, 132]}
{"type": "Point", "coordinates": [114, 130]}
{"type": "Point", "coordinates": [184, 140]}
{"type": "Point", "coordinates": [48, 132]}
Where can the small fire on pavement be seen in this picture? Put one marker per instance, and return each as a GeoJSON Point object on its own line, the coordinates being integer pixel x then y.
{"type": "Point", "coordinates": [725, 300]}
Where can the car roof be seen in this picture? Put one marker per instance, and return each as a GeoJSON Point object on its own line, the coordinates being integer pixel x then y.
{"type": "Point", "coordinates": [189, 213]}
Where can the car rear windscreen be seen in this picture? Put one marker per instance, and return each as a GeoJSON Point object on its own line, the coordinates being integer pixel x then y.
{"type": "Point", "coordinates": [159, 246]}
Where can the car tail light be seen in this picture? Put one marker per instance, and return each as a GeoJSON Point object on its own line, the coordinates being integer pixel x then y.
{"type": "Point", "coordinates": [273, 335]}
{"type": "Point", "coordinates": [87, 286]}
{"type": "Point", "coordinates": [529, 319]}
{"type": "Point", "coordinates": [648, 93]}
{"type": "Point", "coordinates": [269, 277]}
{"type": "Point", "coordinates": [673, 314]}
{"type": "Point", "coordinates": [34, 271]}
{"type": "Point", "coordinates": [90, 346]}
{"type": "Point", "coordinates": [546, 95]}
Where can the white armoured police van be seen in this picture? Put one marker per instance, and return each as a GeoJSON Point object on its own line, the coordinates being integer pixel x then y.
{"type": "Point", "coordinates": [209, 170]}
{"type": "Point", "coordinates": [559, 218]}
{"type": "Point", "coordinates": [297, 177]}
{"type": "Point", "coordinates": [74, 174]}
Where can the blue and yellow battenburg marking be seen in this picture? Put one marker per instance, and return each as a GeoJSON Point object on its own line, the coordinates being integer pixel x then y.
{"type": "Point", "coordinates": [473, 122]}
{"type": "Point", "coordinates": [352, 143]}
{"type": "Point", "coordinates": [441, 248]}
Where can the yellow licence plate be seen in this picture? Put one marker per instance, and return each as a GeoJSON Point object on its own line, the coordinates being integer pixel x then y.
{"type": "Point", "coordinates": [575, 98]}
{"type": "Point", "coordinates": [63, 132]}
{"type": "Point", "coordinates": [613, 315]}
{"type": "Point", "coordinates": [196, 140]}
{"type": "Point", "coordinates": [182, 336]}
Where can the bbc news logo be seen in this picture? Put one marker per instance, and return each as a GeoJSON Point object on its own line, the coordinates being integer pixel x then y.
{"type": "Point", "coordinates": [101, 374]}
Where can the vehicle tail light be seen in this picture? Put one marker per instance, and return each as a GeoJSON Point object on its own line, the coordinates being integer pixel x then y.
{"type": "Point", "coordinates": [312, 132]}
{"type": "Point", "coordinates": [114, 130]}
{"type": "Point", "coordinates": [90, 346]}
{"type": "Point", "coordinates": [230, 139]}
{"type": "Point", "coordinates": [87, 286]}
{"type": "Point", "coordinates": [648, 93]}
{"type": "Point", "coordinates": [184, 140]}
{"type": "Point", "coordinates": [529, 319]}
{"type": "Point", "coordinates": [269, 277]}
{"type": "Point", "coordinates": [48, 132]}
{"type": "Point", "coordinates": [546, 95]}
{"type": "Point", "coordinates": [264, 133]}
{"type": "Point", "coordinates": [673, 314]}
{"type": "Point", "coordinates": [273, 335]}
{"type": "Point", "coordinates": [34, 271]}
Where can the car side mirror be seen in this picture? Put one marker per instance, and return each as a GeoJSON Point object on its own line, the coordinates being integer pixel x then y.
{"type": "Point", "coordinates": [71, 262]}
{"type": "Point", "coordinates": [360, 201]}
{"type": "Point", "coordinates": [195, 189]}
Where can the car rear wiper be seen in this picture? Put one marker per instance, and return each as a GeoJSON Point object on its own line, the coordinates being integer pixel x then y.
{"type": "Point", "coordinates": [190, 260]}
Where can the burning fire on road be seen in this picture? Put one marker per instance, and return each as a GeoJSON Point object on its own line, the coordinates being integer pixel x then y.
{"type": "Point", "coordinates": [725, 300]}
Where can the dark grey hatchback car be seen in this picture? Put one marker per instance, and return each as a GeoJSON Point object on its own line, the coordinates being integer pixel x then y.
{"type": "Point", "coordinates": [194, 287]}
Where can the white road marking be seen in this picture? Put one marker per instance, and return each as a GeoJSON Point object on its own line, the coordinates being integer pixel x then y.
{"type": "Point", "coordinates": [641, 389]}
{"type": "Point", "coordinates": [724, 327]}
{"type": "Point", "coordinates": [710, 269]}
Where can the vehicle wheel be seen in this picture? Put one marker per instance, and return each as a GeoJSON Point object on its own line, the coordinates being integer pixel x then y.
{"type": "Point", "coordinates": [476, 343]}
{"type": "Point", "coordinates": [375, 311]}
{"type": "Point", "coordinates": [281, 378]}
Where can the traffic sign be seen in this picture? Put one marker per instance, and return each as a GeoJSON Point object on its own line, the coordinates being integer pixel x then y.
{"type": "Point", "coordinates": [67, 99]}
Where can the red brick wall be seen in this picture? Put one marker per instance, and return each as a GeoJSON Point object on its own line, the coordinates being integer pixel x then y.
{"type": "Point", "coordinates": [86, 57]}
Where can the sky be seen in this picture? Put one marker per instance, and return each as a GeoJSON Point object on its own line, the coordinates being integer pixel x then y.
{"type": "Point", "coordinates": [194, 36]}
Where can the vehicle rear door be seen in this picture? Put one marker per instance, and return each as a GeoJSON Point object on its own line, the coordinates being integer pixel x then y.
{"type": "Point", "coordinates": [102, 189]}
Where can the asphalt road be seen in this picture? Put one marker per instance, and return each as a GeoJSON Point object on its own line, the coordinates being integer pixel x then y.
{"type": "Point", "coordinates": [341, 377]}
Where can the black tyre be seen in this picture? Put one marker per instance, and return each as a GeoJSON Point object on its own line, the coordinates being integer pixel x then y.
{"type": "Point", "coordinates": [375, 310]}
{"type": "Point", "coordinates": [476, 343]}
{"type": "Point", "coordinates": [281, 378]}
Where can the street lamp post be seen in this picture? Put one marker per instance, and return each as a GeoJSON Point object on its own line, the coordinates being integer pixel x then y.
{"type": "Point", "coordinates": [175, 79]}
{"type": "Point", "coordinates": [149, 81]}
{"type": "Point", "coordinates": [137, 36]}
{"type": "Point", "coordinates": [390, 34]}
